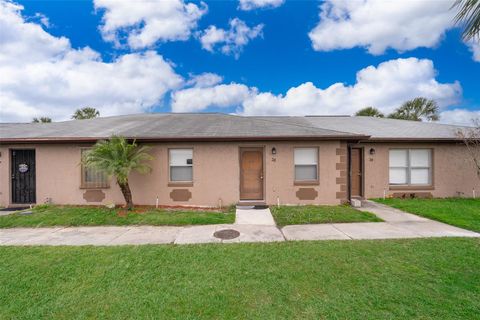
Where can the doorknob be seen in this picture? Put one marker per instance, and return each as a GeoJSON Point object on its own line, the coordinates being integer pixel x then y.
{"type": "Point", "coordinates": [261, 177]}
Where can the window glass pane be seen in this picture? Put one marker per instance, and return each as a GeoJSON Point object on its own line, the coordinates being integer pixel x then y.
{"type": "Point", "coordinates": [305, 172]}
{"type": "Point", "coordinates": [398, 176]}
{"type": "Point", "coordinates": [181, 173]}
{"type": "Point", "coordinates": [305, 156]}
{"type": "Point", "coordinates": [398, 158]}
{"type": "Point", "coordinates": [90, 175]}
{"type": "Point", "coordinates": [93, 177]}
{"type": "Point", "coordinates": [420, 176]}
{"type": "Point", "coordinates": [420, 158]}
{"type": "Point", "coordinates": [179, 157]}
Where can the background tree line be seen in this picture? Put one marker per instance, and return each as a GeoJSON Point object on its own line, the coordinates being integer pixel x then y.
{"type": "Point", "coordinates": [79, 114]}
{"type": "Point", "coordinates": [417, 109]}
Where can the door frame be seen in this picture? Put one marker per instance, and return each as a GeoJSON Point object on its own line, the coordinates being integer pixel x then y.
{"type": "Point", "coordinates": [362, 166]}
{"type": "Point", "coordinates": [10, 189]}
{"type": "Point", "coordinates": [251, 148]}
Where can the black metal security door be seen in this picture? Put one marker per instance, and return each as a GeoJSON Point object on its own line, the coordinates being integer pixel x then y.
{"type": "Point", "coordinates": [23, 176]}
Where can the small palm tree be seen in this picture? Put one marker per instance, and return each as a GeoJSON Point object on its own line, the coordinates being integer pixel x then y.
{"type": "Point", "coordinates": [117, 157]}
{"type": "Point", "coordinates": [468, 16]}
{"type": "Point", "coordinates": [417, 110]}
{"type": "Point", "coordinates": [85, 113]}
{"type": "Point", "coordinates": [42, 120]}
{"type": "Point", "coordinates": [370, 112]}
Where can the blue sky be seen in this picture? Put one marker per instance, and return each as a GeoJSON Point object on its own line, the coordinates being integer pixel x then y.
{"type": "Point", "coordinates": [256, 79]}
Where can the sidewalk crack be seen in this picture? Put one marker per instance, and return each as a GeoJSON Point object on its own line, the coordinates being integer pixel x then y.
{"type": "Point", "coordinates": [341, 231]}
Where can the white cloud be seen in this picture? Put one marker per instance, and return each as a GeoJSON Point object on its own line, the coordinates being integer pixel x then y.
{"type": "Point", "coordinates": [145, 22]}
{"type": "Point", "coordinates": [379, 24]}
{"type": "Point", "coordinates": [460, 116]}
{"type": "Point", "coordinates": [222, 95]}
{"type": "Point", "coordinates": [474, 46]}
{"type": "Point", "coordinates": [231, 41]}
{"type": "Point", "coordinates": [386, 87]}
{"type": "Point", "coordinates": [43, 19]}
{"type": "Point", "coordinates": [203, 80]}
{"type": "Point", "coordinates": [247, 5]}
{"type": "Point", "coordinates": [43, 75]}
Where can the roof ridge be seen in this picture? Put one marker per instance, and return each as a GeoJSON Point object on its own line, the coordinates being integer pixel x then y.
{"type": "Point", "coordinates": [413, 121]}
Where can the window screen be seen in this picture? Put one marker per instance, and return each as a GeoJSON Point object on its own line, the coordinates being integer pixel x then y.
{"type": "Point", "coordinates": [306, 164]}
{"type": "Point", "coordinates": [181, 164]}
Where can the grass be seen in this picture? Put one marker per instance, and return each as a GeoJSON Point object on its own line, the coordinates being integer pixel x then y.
{"type": "Point", "coordinates": [50, 215]}
{"type": "Point", "coordinates": [286, 215]}
{"type": "Point", "coordinates": [460, 212]}
{"type": "Point", "coordinates": [391, 279]}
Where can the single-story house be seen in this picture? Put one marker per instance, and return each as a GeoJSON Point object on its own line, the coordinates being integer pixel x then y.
{"type": "Point", "coordinates": [212, 159]}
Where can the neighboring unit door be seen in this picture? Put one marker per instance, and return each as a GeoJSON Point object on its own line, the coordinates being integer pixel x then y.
{"type": "Point", "coordinates": [356, 175]}
{"type": "Point", "coordinates": [251, 173]}
{"type": "Point", "coordinates": [23, 176]}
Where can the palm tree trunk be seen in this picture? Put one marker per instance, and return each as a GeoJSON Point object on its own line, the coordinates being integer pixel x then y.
{"type": "Point", "coordinates": [127, 194]}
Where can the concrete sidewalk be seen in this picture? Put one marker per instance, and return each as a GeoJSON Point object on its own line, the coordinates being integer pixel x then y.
{"type": "Point", "coordinates": [135, 235]}
{"type": "Point", "coordinates": [397, 225]}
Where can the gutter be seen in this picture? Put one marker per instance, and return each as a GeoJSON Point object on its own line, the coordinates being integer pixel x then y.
{"type": "Point", "coordinates": [370, 140]}
{"type": "Point", "coordinates": [183, 139]}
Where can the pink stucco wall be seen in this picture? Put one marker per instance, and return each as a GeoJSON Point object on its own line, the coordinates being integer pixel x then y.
{"type": "Point", "coordinates": [454, 173]}
{"type": "Point", "coordinates": [216, 173]}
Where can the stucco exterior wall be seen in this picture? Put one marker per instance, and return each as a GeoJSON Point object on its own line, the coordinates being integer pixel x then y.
{"type": "Point", "coordinates": [216, 173]}
{"type": "Point", "coordinates": [454, 173]}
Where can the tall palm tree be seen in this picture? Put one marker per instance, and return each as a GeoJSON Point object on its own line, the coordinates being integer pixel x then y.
{"type": "Point", "coordinates": [86, 113]}
{"type": "Point", "coordinates": [117, 157]}
{"type": "Point", "coordinates": [417, 110]}
{"type": "Point", "coordinates": [370, 112]}
{"type": "Point", "coordinates": [469, 17]}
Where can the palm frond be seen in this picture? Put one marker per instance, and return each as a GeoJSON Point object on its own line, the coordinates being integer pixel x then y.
{"type": "Point", "coordinates": [417, 109]}
{"type": "Point", "coordinates": [468, 17]}
{"type": "Point", "coordinates": [117, 157]}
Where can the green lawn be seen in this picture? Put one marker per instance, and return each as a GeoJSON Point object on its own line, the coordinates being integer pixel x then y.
{"type": "Point", "coordinates": [391, 279]}
{"type": "Point", "coordinates": [460, 212]}
{"type": "Point", "coordinates": [286, 215]}
{"type": "Point", "coordinates": [95, 216]}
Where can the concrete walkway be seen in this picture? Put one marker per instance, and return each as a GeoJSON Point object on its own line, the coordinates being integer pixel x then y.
{"type": "Point", "coordinates": [254, 216]}
{"type": "Point", "coordinates": [252, 228]}
{"type": "Point", "coordinates": [397, 225]}
{"type": "Point", "coordinates": [135, 235]}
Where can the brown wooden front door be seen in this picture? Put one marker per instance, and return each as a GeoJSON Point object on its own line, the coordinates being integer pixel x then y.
{"type": "Point", "coordinates": [251, 173]}
{"type": "Point", "coordinates": [356, 175]}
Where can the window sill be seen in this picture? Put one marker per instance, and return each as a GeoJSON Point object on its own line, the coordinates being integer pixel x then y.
{"type": "Point", "coordinates": [100, 187]}
{"type": "Point", "coordinates": [306, 183]}
{"type": "Point", "coordinates": [411, 187]}
{"type": "Point", "coordinates": [180, 184]}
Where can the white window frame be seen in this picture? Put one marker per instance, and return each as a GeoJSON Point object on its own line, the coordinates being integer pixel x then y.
{"type": "Point", "coordinates": [409, 168]}
{"type": "Point", "coordinates": [186, 165]}
{"type": "Point", "coordinates": [300, 165]}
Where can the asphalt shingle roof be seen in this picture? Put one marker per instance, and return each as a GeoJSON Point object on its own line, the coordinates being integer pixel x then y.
{"type": "Point", "coordinates": [223, 126]}
{"type": "Point", "coordinates": [388, 128]}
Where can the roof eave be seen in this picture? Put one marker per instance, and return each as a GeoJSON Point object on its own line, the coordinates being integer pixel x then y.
{"type": "Point", "coordinates": [182, 139]}
{"type": "Point", "coordinates": [386, 139]}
